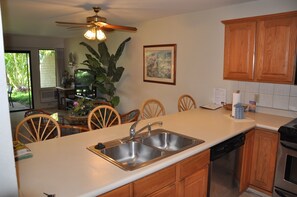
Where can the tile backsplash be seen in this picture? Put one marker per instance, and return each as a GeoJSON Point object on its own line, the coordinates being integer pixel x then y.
{"type": "Point", "coordinates": [277, 96]}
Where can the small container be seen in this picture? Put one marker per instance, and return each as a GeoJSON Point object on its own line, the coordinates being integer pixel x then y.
{"type": "Point", "coordinates": [239, 111]}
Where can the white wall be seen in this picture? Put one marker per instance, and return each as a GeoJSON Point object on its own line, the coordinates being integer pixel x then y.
{"type": "Point", "coordinates": [200, 40]}
{"type": "Point", "coordinates": [8, 180]}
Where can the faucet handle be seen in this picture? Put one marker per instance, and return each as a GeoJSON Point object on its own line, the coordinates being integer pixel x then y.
{"type": "Point", "coordinates": [154, 123]}
{"type": "Point", "coordinates": [133, 128]}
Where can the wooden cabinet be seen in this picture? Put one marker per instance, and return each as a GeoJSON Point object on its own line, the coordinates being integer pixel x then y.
{"type": "Point", "coordinates": [264, 160]}
{"type": "Point", "coordinates": [246, 161]}
{"type": "Point", "coordinates": [196, 184]}
{"type": "Point", "coordinates": [259, 160]}
{"type": "Point", "coordinates": [193, 175]}
{"type": "Point", "coordinates": [261, 48]}
{"type": "Point", "coordinates": [239, 50]}
{"type": "Point", "coordinates": [155, 182]}
{"type": "Point", "coordinates": [276, 49]}
{"type": "Point", "coordinates": [187, 178]}
{"type": "Point", "coordinates": [124, 191]}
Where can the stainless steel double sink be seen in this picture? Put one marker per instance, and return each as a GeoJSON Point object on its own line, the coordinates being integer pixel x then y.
{"type": "Point", "coordinates": [145, 149]}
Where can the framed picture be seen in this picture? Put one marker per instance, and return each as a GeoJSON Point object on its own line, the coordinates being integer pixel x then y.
{"type": "Point", "coordinates": [159, 63]}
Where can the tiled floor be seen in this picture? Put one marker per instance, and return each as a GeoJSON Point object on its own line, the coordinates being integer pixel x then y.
{"type": "Point", "coordinates": [253, 193]}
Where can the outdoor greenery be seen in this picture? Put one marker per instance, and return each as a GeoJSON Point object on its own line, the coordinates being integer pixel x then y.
{"type": "Point", "coordinates": [17, 71]}
{"type": "Point", "coordinates": [104, 67]}
{"type": "Point", "coordinates": [21, 97]}
{"type": "Point", "coordinates": [18, 76]}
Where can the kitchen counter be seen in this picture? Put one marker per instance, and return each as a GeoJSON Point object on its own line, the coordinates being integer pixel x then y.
{"type": "Point", "coordinates": [64, 166]}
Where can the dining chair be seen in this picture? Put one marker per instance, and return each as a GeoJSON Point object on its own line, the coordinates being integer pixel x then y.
{"type": "Point", "coordinates": [131, 116]}
{"type": "Point", "coordinates": [186, 102]}
{"type": "Point", "coordinates": [35, 111]}
{"type": "Point", "coordinates": [103, 116]}
{"type": "Point", "coordinates": [37, 127]}
{"type": "Point", "coordinates": [72, 129]}
{"type": "Point", "coordinates": [152, 108]}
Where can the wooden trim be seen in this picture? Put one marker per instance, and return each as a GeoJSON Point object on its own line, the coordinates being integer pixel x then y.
{"type": "Point", "coordinates": [262, 17]}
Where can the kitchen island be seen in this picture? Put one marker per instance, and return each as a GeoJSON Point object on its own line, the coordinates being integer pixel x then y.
{"type": "Point", "coordinates": [65, 167]}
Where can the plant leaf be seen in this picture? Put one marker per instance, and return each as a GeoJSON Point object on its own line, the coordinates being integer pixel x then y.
{"type": "Point", "coordinates": [120, 49]}
{"type": "Point", "coordinates": [90, 49]}
{"type": "Point", "coordinates": [115, 101]}
{"type": "Point", "coordinates": [105, 56]}
{"type": "Point", "coordinates": [118, 74]}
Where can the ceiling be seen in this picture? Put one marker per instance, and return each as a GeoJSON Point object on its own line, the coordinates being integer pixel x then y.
{"type": "Point", "coordinates": [37, 17]}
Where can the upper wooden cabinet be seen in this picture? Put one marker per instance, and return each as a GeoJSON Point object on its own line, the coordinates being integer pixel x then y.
{"type": "Point", "coordinates": [261, 48]}
{"type": "Point", "coordinates": [239, 50]}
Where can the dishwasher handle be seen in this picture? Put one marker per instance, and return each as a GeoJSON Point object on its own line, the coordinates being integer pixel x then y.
{"type": "Point", "coordinates": [227, 146]}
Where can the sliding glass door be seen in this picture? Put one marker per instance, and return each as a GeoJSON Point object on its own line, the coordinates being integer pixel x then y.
{"type": "Point", "coordinates": [19, 87]}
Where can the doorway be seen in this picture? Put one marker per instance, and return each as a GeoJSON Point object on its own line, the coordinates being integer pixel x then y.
{"type": "Point", "coordinates": [19, 86]}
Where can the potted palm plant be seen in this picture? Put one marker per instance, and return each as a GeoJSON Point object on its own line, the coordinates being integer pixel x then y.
{"type": "Point", "coordinates": [104, 66]}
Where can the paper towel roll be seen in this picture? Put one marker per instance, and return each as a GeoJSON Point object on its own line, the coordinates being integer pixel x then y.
{"type": "Point", "coordinates": [235, 100]}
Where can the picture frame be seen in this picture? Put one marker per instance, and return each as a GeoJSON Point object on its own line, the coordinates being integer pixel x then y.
{"type": "Point", "coordinates": [159, 63]}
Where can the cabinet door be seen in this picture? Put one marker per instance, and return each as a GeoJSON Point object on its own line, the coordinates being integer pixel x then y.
{"type": "Point", "coordinates": [155, 182]}
{"type": "Point", "coordinates": [264, 160]}
{"type": "Point", "coordinates": [239, 50]}
{"type": "Point", "coordinates": [276, 50]}
{"type": "Point", "coordinates": [196, 184]}
{"type": "Point", "coordinates": [246, 161]}
{"type": "Point", "coordinates": [124, 191]}
{"type": "Point", "coordinates": [193, 175]}
{"type": "Point", "coordinates": [165, 192]}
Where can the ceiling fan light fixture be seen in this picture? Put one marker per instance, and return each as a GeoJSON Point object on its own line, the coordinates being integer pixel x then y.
{"type": "Point", "coordinates": [94, 33]}
{"type": "Point", "coordinates": [101, 35]}
{"type": "Point", "coordinates": [90, 34]}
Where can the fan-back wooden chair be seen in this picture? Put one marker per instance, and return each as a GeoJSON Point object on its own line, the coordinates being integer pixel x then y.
{"type": "Point", "coordinates": [66, 129]}
{"type": "Point", "coordinates": [103, 116]}
{"type": "Point", "coordinates": [35, 111]}
{"type": "Point", "coordinates": [152, 108]}
{"type": "Point", "coordinates": [37, 127]}
{"type": "Point", "coordinates": [186, 102]}
{"type": "Point", "coordinates": [131, 116]}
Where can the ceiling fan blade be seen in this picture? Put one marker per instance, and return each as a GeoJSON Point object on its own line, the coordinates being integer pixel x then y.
{"type": "Point", "coordinates": [78, 27]}
{"type": "Point", "coordinates": [71, 23]}
{"type": "Point", "coordinates": [106, 29]}
{"type": "Point", "coordinates": [110, 26]}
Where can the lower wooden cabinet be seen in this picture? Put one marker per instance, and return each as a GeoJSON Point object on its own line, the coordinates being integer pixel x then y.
{"type": "Point", "coordinates": [264, 160]}
{"type": "Point", "coordinates": [124, 191]}
{"type": "Point", "coordinates": [164, 192]}
{"type": "Point", "coordinates": [187, 178]}
{"type": "Point", "coordinates": [193, 177]}
{"type": "Point", "coordinates": [196, 184]}
{"type": "Point", "coordinates": [246, 161]}
{"type": "Point", "coordinates": [154, 182]}
{"type": "Point", "coordinates": [259, 160]}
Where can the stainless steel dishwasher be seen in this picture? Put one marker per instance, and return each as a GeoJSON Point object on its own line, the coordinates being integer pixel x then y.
{"type": "Point", "coordinates": [223, 178]}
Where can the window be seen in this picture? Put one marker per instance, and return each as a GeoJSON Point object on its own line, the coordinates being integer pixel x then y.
{"type": "Point", "coordinates": [47, 66]}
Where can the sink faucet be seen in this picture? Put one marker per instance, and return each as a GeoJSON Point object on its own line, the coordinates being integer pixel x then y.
{"type": "Point", "coordinates": [133, 131]}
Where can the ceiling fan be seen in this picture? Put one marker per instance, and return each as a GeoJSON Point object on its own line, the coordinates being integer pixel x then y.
{"type": "Point", "coordinates": [96, 25]}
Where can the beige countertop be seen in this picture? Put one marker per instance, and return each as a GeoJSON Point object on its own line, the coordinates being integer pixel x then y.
{"type": "Point", "coordinates": [65, 167]}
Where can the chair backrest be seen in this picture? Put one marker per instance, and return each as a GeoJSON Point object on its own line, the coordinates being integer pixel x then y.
{"type": "Point", "coordinates": [103, 116]}
{"type": "Point", "coordinates": [37, 127]}
{"type": "Point", "coordinates": [131, 116]}
{"type": "Point", "coordinates": [35, 111]}
{"type": "Point", "coordinates": [152, 108]}
{"type": "Point", "coordinates": [186, 102]}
